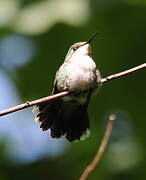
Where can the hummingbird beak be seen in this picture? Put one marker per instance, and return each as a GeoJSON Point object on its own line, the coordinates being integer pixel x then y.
{"type": "Point", "coordinates": [91, 38]}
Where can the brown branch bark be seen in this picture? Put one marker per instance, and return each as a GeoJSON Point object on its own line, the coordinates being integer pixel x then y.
{"type": "Point", "coordinates": [32, 103]}
{"type": "Point", "coordinates": [101, 149]}
{"type": "Point", "coordinates": [49, 98]}
{"type": "Point", "coordinates": [124, 73]}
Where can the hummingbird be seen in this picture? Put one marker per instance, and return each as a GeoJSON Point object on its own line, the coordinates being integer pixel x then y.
{"type": "Point", "coordinates": [68, 116]}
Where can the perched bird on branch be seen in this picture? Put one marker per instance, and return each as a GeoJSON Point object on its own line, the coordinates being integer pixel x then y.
{"type": "Point", "coordinates": [68, 116]}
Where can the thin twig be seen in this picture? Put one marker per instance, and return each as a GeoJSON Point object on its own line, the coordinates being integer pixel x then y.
{"type": "Point", "coordinates": [101, 148]}
{"type": "Point", "coordinates": [124, 73]}
{"type": "Point", "coordinates": [49, 98]}
{"type": "Point", "coordinates": [32, 103]}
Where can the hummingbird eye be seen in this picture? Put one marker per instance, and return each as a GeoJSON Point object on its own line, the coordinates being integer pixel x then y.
{"type": "Point", "coordinates": [75, 48]}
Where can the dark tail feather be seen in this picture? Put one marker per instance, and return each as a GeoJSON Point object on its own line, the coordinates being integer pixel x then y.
{"type": "Point", "coordinates": [62, 118]}
{"type": "Point", "coordinates": [46, 113]}
{"type": "Point", "coordinates": [75, 121]}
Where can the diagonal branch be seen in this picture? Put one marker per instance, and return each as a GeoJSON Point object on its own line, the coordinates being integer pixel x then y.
{"type": "Point", "coordinates": [124, 73]}
{"type": "Point", "coordinates": [62, 94]}
{"type": "Point", "coordinates": [32, 103]}
{"type": "Point", "coordinates": [101, 149]}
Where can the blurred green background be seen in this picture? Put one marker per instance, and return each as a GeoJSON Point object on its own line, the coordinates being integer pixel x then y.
{"type": "Point", "coordinates": [34, 38]}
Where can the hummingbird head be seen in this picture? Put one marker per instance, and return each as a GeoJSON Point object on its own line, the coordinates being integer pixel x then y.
{"type": "Point", "coordinates": [80, 48]}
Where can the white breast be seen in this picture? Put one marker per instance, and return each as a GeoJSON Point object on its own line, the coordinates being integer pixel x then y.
{"type": "Point", "coordinates": [81, 71]}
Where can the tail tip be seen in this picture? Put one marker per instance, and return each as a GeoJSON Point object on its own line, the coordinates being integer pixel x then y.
{"type": "Point", "coordinates": [85, 135]}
